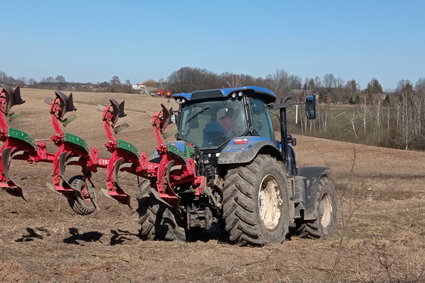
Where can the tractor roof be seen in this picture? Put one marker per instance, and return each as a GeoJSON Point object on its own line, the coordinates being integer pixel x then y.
{"type": "Point", "coordinates": [255, 91]}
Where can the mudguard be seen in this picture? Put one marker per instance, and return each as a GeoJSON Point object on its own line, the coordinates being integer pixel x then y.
{"type": "Point", "coordinates": [312, 176]}
{"type": "Point", "coordinates": [178, 148]}
{"type": "Point", "coordinates": [245, 149]}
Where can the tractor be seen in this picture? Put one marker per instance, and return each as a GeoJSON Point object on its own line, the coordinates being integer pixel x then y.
{"type": "Point", "coordinates": [254, 191]}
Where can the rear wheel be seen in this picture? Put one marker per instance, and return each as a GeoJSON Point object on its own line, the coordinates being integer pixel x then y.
{"type": "Point", "coordinates": [326, 209]}
{"type": "Point", "coordinates": [81, 203]}
{"type": "Point", "coordinates": [156, 218]}
{"type": "Point", "coordinates": [255, 202]}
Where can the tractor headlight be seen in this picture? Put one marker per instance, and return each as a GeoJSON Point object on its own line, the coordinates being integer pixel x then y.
{"type": "Point", "coordinates": [234, 95]}
{"type": "Point", "coordinates": [240, 94]}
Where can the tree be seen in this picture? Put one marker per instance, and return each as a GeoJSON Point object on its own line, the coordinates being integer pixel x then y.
{"type": "Point", "coordinates": [22, 81]}
{"type": "Point", "coordinates": [317, 81]}
{"type": "Point", "coordinates": [32, 82]}
{"type": "Point", "coordinates": [329, 81]}
{"type": "Point", "coordinates": [352, 90]}
{"type": "Point", "coordinates": [410, 117]}
{"type": "Point", "coordinates": [294, 82]}
{"type": "Point", "coordinates": [115, 81]}
{"type": "Point", "coordinates": [49, 79]}
{"type": "Point", "coordinates": [188, 79]}
{"type": "Point", "coordinates": [420, 86]}
{"type": "Point", "coordinates": [60, 79]}
{"type": "Point", "coordinates": [279, 81]}
{"type": "Point", "coordinates": [373, 89]}
{"type": "Point", "coordinates": [3, 77]}
{"type": "Point", "coordinates": [115, 84]}
{"type": "Point", "coordinates": [309, 84]}
{"type": "Point", "coordinates": [230, 80]}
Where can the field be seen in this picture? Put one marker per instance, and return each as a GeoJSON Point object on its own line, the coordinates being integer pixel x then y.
{"type": "Point", "coordinates": [381, 233]}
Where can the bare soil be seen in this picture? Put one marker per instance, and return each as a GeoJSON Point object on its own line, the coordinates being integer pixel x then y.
{"type": "Point", "coordinates": [381, 221]}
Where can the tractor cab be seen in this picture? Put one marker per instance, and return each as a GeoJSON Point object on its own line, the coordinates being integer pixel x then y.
{"type": "Point", "coordinates": [211, 119]}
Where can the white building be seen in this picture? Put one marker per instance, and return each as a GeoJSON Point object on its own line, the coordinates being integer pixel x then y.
{"type": "Point", "coordinates": [138, 86]}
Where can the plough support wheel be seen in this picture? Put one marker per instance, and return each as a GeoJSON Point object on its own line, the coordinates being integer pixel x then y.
{"type": "Point", "coordinates": [81, 202]}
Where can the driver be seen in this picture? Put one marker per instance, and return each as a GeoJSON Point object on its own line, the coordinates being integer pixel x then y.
{"type": "Point", "coordinates": [227, 121]}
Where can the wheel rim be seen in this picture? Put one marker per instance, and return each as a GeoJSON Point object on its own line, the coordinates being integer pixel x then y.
{"type": "Point", "coordinates": [326, 210]}
{"type": "Point", "coordinates": [85, 194]}
{"type": "Point", "coordinates": [269, 202]}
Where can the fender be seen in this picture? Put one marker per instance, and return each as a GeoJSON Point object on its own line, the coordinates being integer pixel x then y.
{"type": "Point", "coordinates": [236, 152]}
{"type": "Point", "coordinates": [179, 148]}
{"type": "Point", "coordinates": [312, 176]}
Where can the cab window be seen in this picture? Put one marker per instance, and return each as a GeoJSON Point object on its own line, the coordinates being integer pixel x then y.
{"type": "Point", "coordinates": [260, 117]}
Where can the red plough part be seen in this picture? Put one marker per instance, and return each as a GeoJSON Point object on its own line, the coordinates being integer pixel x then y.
{"type": "Point", "coordinates": [72, 151]}
{"type": "Point", "coordinates": [126, 157]}
{"type": "Point", "coordinates": [171, 169]}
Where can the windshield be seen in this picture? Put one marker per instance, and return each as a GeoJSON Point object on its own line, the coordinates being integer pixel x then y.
{"type": "Point", "coordinates": [209, 124]}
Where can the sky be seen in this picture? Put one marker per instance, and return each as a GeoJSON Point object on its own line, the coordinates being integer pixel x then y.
{"type": "Point", "coordinates": [140, 40]}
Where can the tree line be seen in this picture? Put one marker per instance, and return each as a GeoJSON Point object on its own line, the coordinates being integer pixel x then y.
{"type": "Point", "coordinates": [59, 82]}
{"type": "Point", "coordinates": [346, 111]}
{"type": "Point", "coordinates": [391, 119]}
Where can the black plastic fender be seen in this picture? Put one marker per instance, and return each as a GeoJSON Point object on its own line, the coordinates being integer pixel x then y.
{"type": "Point", "coordinates": [312, 176]}
{"type": "Point", "coordinates": [245, 153]}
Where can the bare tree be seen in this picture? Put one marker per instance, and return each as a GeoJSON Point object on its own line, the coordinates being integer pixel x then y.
{"type": "Point", "coordinates": [364, 113]}
{"type": "Point", "coordinates": [60, 79]}
{"type": "Point", "coordinates": [230, 80]}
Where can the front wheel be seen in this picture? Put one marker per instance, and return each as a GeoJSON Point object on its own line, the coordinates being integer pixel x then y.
{"type": "Point", "coordinates": [326, 209]}
{"type": "Point", "coordinates": [157, 221]}
{"type": "Point", "coordinates": [81, 203]}
{"type": "Point", "coordinates": [255, 202]}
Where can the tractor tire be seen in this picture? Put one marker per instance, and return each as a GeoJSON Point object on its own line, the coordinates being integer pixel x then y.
{"type": "Point", "coordinates": [256, 203]}
{"type": "Point", "coordinates": [81, 204]}
{"type": "Point", "coordinates": [156, 218]}
{"type": "Point", "coordinates": [326, 208]}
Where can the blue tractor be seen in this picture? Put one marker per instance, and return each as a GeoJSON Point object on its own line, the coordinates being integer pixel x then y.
{"type": "Point", "coordinates": [255, 191]}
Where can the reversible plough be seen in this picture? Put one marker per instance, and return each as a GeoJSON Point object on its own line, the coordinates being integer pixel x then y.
{"type": "Point", "coordinates": [171, 166]}
{"type": "Point", "coordinates": [225, 172]}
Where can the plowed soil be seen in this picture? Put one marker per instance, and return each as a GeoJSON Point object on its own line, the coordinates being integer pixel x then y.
{"type": "Point", "coordinates": [381, 220]}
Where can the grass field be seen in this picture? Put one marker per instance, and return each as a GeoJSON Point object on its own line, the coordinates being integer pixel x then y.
{"type": "Point", "coordinates": [381, 220]}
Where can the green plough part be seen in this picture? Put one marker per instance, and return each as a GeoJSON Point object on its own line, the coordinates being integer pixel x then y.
{"type": "Point", "coordinates": [70, 138]}
{"type": "Point", "coordinates": [20, 135]}
{"type": "Point", "coordinates": [127, 147]}
{"type": "Point", "coordinates": [189, 152]}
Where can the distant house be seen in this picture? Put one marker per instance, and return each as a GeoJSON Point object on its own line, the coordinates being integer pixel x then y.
{"type": "Point", "coordinates": [138, 86]}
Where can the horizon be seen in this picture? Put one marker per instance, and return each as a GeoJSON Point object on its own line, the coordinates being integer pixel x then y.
{"type": "Point", "coordinates": [91, 42]}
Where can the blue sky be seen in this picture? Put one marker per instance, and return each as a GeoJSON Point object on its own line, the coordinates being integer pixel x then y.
{"type": "Point", "coordinates": [139, 40]}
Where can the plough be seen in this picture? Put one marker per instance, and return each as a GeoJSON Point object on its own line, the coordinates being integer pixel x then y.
{"type": "Point", "coordinates": [73, 150]}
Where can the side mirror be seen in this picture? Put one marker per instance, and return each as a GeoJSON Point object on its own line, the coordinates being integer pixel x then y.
{"type": "Point", "coordinates": [310, 106]}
